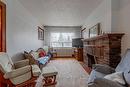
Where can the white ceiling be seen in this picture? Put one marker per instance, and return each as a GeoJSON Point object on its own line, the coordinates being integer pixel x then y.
{"type": "Point", "coordinates": [61, 12]}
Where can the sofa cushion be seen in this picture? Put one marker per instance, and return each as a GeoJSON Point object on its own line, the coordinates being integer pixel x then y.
{"type": "Point", "coordinates": [42, 53]}
{"type": "Point", "coordinates": [102, 82]}
{"type": "Point", "coordinates": [124, 66]}
{"type": "Point", "coordinates": [20, 79]}
{"type": "Point", "coordinates": [116, 77]}
{"type": "Point", "coordinates": [103, 68]}
{"type": "Point", "coordinates": [30, 57]}
{"type": "Point", "coordinates": [17, 72]}
{"type": "Point", "coordinates": [35, 54]}
{"type": "Point", "coordinates": [49, 71]}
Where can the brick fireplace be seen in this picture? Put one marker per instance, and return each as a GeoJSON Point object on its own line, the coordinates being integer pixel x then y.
{"type": "Point", "coordinates": [103, 49]}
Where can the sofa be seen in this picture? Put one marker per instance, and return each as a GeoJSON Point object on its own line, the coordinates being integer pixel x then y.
{"type": "Point", "coordinates": [39, 57]}
{"type": "Point", "coordinates": [105, 76]}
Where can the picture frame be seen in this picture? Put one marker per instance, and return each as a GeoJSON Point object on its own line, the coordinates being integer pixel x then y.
{"type": "Point", "coordinates": [40, 33]}
{"type": "Point", "coordinates": [94, 31]}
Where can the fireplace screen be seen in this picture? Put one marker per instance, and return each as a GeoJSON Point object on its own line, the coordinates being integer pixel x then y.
{"type": "Point", "coordinates": [91, 60]}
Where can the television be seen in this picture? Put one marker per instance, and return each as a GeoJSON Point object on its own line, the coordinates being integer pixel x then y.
{"type": "Point", "coordinates": [77, 42]}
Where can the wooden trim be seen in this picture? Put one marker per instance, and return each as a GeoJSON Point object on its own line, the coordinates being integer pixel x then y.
{"type": "Point", "coordinates": [107, 35]}
{"type": "Point", "coordinates": [3, 27]}
{"type": "Point", "coordinates": [82, 32]}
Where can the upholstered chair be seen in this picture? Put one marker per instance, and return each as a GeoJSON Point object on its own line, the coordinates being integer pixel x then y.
{"type": "Point", "coordinates": [17, 74]}
{"type": "Point", "coordinates": [105, 76]}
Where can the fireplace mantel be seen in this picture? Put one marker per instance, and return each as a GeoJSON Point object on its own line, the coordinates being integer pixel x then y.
{"type": "Point", "coordinates": [104, 49]}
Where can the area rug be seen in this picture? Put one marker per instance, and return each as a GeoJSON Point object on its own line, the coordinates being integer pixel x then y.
{"type": "Point", "coordinates": [70, 74]}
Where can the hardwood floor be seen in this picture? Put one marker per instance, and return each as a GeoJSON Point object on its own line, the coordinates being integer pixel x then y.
{"type": "Point", "coordinates": [70, 73]}
{"type": "Point", "coordinates": [87, 69]}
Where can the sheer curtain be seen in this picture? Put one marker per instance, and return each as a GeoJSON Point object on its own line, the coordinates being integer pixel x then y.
{"type": "Point", "coordinates": [61, 39]}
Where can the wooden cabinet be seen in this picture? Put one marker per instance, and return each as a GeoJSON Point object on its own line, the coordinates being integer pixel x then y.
{"type": "Point", "coordinates": [103, 49]}
{"type": "Point", "coordinates": [78, 54]}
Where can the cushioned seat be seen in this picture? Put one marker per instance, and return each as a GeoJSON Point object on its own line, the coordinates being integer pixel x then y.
{"type": "Point", "coordinates": [36, 70]}
{"type": "Point", "coordinates": [95, 74]}
{"type": "Point", "coordinates": [49, 71]}
{"type": "Point", "coordinates": [49, 74]}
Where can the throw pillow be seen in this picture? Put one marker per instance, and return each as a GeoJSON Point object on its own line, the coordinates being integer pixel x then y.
{"type": "Point", "coordinates": [30, 57]}
{"type": "Point", "coordinates": [26, 54]}
{"type": "Point", "coordinates": [117, 77]}
{"type": "Point", "coordinates": [46, 48]}
{"type": "Point", "coordinates": [42, 53]}
{"type": "Point", "coordinates": [35, 54]}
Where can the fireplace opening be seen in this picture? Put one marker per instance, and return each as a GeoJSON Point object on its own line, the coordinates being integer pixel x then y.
{"type": "Point", "coordinates": [91, 60]}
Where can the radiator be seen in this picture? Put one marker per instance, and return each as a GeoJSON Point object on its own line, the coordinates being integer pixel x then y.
{"type": "Point", "coordinates": [64, 51]}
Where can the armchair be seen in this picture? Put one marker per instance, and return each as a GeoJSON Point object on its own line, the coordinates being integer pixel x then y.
{"type": "Point", "coordinates": [17, 74]}
{"type": "Point", "coordinates": [97, 78]}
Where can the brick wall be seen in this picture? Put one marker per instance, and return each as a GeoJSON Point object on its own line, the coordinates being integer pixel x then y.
{"type": "Point", "coordinates": [105, 49]}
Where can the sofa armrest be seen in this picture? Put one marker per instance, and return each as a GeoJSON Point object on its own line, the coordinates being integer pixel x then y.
{"type": "Point", "coordinates": [102, 82]}
{"type": "Point", "coordinates": [17, 72]}
{"type": "Point", "coordinates": [103, 68]}
{"type": "Point", "coordinates": [21, 63]}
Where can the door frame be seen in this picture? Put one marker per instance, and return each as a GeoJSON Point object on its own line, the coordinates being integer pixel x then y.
{"type": "Point", "coordinates": [3, 27]}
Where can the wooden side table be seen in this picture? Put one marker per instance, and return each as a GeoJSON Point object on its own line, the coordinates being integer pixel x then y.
{"type": "Point", "coordinates": [78, 54]}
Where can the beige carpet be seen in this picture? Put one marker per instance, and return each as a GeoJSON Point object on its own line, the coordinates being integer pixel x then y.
{"type": "Point", "coordinates": [70, 73]}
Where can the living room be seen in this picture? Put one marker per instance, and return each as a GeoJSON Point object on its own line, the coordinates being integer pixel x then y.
{"type": "Point", "coordinates": [60, 19]}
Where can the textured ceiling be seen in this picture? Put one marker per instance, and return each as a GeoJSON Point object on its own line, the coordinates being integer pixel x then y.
{"type": "Point", "coordinates": [61, 12]}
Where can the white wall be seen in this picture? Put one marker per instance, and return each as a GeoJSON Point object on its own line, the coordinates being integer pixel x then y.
{"type": "Point", "coordinates": [114, 16]}
{"type": "Point", "coordinates": [102, 14]}
{"type": "Point", "coordinates": [21, 29]}
{"type": "Point", "coordinates": [115, 7]}
{"type": "Point", "coordinates": [50, 29]}
{"type": "Point", "coordinates": [124, 23]}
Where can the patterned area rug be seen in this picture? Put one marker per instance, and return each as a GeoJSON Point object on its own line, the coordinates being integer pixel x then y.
{"type": "Point", "coordinates": [70, 74]}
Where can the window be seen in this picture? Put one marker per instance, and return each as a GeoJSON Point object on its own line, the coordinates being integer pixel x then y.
{"type": "Point", "coordinates": [61, 39]}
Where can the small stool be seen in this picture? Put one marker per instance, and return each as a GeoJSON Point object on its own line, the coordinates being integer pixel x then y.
{"type": "Point", "coordinates": [49, 74]}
